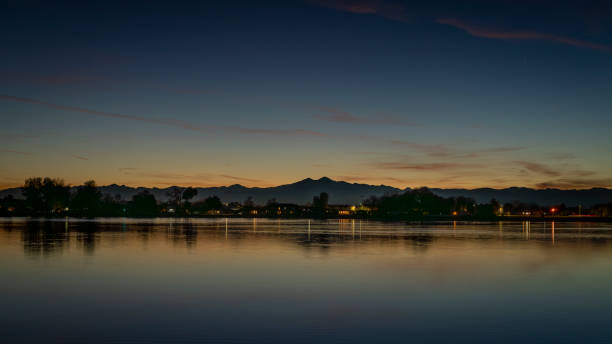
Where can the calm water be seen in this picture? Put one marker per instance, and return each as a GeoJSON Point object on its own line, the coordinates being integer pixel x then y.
{"type": "Point", "coordinates": [262, 281]}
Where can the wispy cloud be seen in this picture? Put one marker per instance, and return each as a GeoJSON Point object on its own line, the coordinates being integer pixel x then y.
{"type": "Point", "coordinates": [576, 183]}
{"type": "Point", "coordinates": [433, 150]}
{"type": "Point", "coordinates": [278, 132]}
{"type": "Point", "coordinates": [539, 168]}
{"type": "Point", "coordinates": [394, 10]}
{"type": "Point", "coordinates": [14, 152]}
{"type": "Point", "coordinates": [561, 156]}
{"type": "Point", "coordinates": [492, 150]}
{"type": "Point", "coordinates": [386, 9]}
{"type": "Point", "coordinates": [436, 166]}
{"type": "Point", "coordinates": [169, 122]}
{"type": "Point", "coordinates": [171, 178]}
{"type": "Point", "coordinates": [7, 134]}
{"type": "Point", "coordinates": [28, 153]}
{"type": "Point", "coordinates": [141, 172]}
{"type": "Point", "coordinates": [350, 178]}
{"type": "Point", "coordinates": [93, 112]}
{"type": "Point", "coordinates": [126, 170]}
{"type": "Point", "coordinates": [339, 116]}
{"type": "Point", "coordinates": [521, 35]}
{"type": "Point", "coordinates": [502, 149]}
{"type": "Point", "coordinates": [565, 176]}
{"type": "Point", "coordinates": [86, 79]}
{"type": "Point", "coordinates": [240, 179]}
{"type": "Point", "coordinates": [441, 150]}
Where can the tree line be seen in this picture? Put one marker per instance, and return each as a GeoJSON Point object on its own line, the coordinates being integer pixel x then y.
{"type": "Point", "coordinates": [51, 197]}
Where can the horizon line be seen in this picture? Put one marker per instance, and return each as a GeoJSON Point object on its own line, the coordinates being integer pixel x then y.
{"type": "Point", "coordinates": [324, 178]}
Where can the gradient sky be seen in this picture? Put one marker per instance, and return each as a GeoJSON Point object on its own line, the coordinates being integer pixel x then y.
{"type": "Point", "coordinates": [440, 94]}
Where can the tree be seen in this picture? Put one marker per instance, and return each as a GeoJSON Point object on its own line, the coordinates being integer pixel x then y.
{"type": "Point", "coordinates": [213, 202]}
{"type": "Point", "coordinates": [175, 195]}
{"type": "Point", "coordinates": [143, 204]}
{"type": "Point", "coordinates": [249, 202]}
{"type": "Point", "coordinates": [32, 191]}
{"type": "Point", "coordinates": [497, 207]}
{"type": "Point", "coordinates": [184, 206]}
{"type": "Point", "coordinates": [418, 203]}
{"type": "Point", "coordinates": [88, 199]}
{"type": "Point", "coordinates": [210, 203]}
{"type": "Point", "coordinates": [319, 204]}
{"type": "Point", "coordinates": [324, 198]}
{"type": "Point", "coordinates": [189, 193]}
{"type": "Point", "coordinates": [321, 201]}
{"type": "Point", "coordinates": [46, 196]}
{"type": "Point", "coordinates": [10, 206]}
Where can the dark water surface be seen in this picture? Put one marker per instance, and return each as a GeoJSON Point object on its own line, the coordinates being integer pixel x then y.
{"type": "Point", "coordinates": [262, 281]}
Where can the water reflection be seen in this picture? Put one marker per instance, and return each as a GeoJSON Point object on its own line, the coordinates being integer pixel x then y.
{"type": "Point", "coordinates": [43, 238]}
{"type": "Point", "coordinates": [183, 234]}
{"type": "Point", "coordinates": [50, 237]}
{"type": "Point", "coordinates": [240, 280]}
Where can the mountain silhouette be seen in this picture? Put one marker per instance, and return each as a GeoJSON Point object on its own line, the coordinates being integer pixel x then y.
{"type": "Point", "coordinates": [341, 192]}
{"type": "Point", "coordinates": [585, 197]}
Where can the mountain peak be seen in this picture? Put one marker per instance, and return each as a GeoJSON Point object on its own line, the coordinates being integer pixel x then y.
{"type": "Point", "coordinates": [320, 180]}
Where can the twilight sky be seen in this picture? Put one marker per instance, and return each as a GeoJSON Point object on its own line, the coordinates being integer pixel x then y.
{"type": "Point", "coordinates": [440, 94]}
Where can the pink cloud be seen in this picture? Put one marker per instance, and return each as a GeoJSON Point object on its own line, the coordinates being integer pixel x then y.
{"type": "Point", "coordinates": [521, 35]}
{"type": "Point", "coordinates": [386, 9]}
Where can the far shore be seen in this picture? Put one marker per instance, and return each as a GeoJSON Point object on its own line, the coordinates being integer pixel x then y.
{"type": "Point", "coordinates": [510, 218]}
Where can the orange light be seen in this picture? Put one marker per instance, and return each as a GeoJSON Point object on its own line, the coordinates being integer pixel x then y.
{"type": "Point", "coordinates": [553, 210]}
{"type": "Point", "coordinates": [454, 213]}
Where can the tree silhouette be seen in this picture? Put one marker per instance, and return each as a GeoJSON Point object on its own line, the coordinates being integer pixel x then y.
{"type": "Point", "coordinates": [213, 202]}
{"type": "Point", "coordinates": [420, 202]}
{"type": "Point", "coordinates": [175, 195]}
{"type": "Point", "coordinates": [143, 204]}
{"type": "Point", "coordinates": [189, 193]}
{"type": "Point", "coordinates": [320, 204]}
{"type": "Point", "coordinates": [46, 196]}
{"type": "Point", "coordinates": [324, 198]}
{"type": "Point", "coordinates": [88, 199]}
{"type": "Point", "coordinates": [248, 203]}
{"type": "Point", "coordinates": [210, 203]}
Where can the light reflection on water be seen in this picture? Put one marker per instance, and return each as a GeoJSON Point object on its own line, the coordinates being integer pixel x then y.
{"type": "Point", "coordinates": [257, 280]}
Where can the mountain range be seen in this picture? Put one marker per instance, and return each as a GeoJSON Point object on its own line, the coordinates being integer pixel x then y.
{"type": "Point", "coordinates": [341, 192]}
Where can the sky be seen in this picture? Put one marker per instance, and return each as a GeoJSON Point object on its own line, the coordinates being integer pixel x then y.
{"type": "Point", "coordinates": [403, 93]}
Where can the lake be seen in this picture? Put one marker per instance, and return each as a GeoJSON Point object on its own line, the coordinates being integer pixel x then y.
{"type": "Point", "coordinates": [301, 281]}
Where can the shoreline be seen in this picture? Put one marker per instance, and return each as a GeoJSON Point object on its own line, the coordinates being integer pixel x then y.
{"type": "Point", "coordinates": [386, 219]}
